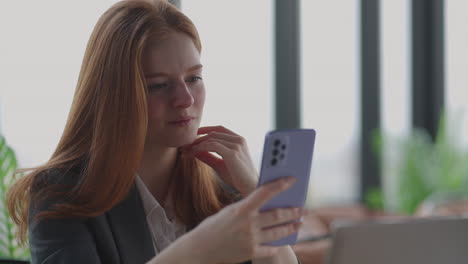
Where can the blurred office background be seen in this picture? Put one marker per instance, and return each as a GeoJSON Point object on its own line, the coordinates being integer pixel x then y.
{"type": "Point", "coordinates": [342, 67]}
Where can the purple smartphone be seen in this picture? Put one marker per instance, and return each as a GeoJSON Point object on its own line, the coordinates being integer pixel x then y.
{"type": "Point", "coordinates": [287, 153]}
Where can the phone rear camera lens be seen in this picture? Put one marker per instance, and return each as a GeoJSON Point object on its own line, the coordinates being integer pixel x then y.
{"type": "Point", "coordinates": [273, 162]}
{"type": "Point", "coordinates": [275, 152]}
{"type": "Point", "coordinates": [277, 142]}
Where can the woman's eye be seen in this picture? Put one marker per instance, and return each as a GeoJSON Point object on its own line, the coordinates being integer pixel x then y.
{"type": "Point", "coordinates": [157, 86]}
{"type": "Point", "coordinates": [194, 79]}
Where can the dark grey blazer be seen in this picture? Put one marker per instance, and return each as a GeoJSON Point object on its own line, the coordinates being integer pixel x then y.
{"type": "Point", "coordinates": [119, 236]}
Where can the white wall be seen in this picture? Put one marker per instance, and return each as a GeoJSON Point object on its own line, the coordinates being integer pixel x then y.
{"type": "Point", "coordinates": [41, 49]}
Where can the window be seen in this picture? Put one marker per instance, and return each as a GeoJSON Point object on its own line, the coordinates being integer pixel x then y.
{"type": "Point", "coordinates": [395, 86]}
{"type": "Point", "coordinates": [456, 43]}
{"type": "Point", "coordinates": [330, 97]}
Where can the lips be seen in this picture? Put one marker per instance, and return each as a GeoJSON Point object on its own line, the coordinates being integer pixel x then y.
{"type": "Point", "coordinates": [181, 121]}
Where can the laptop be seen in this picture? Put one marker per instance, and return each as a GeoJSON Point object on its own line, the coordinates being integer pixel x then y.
{"type": "Point", "coordinates": [424, 241]}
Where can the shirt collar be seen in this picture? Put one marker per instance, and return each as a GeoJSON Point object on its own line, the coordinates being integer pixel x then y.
{"type": "Point", "coordinates": [149, 202]}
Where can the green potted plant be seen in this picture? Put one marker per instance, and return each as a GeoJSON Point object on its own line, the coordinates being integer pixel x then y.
{"type": "Point", "coordinates": [425, 168]}
{"type": "Point", "coordinates": [9, 246]}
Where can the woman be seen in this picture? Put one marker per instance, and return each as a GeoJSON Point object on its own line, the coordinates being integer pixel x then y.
{"type": "Point", "coordinates": [129, 181]}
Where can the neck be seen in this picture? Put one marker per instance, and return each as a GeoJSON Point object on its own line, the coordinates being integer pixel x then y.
{"type": "Point", "coordinates": [155, 170]}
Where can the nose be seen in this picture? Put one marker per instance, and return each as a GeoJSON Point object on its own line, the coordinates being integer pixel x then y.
{"type": "Point", "coordinates": [182, 96]}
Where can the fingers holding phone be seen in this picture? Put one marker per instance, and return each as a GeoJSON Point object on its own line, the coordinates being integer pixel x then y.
{"type": "Point", "coordinates": [239, 231]}
{"type": "Point", "coordinates": [275, 223]}
{"type": "Point", "coordinates": [266, 192]}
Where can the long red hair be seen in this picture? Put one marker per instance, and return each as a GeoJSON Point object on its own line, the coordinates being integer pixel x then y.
{"type": "Point", "coordinates": [106, 128]}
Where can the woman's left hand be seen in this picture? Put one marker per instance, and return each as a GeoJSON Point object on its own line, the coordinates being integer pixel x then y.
{"type": "Point", "coordinates": [235, 167]}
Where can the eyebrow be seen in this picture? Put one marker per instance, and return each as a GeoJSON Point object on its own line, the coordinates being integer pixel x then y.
{"type": "Point", "coordinates": [158, 74]}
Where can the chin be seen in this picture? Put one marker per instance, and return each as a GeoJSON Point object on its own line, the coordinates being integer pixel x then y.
{"type": "Point", "coordinates": [181, 140]}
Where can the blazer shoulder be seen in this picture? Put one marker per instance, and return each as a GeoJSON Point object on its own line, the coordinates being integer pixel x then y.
{"type": "Point", "coordinates": [62, 176]}
{"type": "Point", "coordinates": [62, 241]}
{"type": "Point", "coordinates": [72, 239]}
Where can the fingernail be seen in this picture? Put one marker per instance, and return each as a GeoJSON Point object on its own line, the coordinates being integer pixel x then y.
{"type": "Point", "coordinates": [284, 182]}
{"type": "Point", "coordinates": [290, 180]}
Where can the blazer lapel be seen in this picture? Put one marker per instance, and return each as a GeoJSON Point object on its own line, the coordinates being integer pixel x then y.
{"type": "Point", "coordinates": [130, 229]}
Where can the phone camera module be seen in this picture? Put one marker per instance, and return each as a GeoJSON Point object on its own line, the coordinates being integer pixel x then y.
{"type": "Point", "coordinates": [278, 152]}
{"type": "Point", "coordinates": [273, 162]}
{"type": "Point", "coordinates": [277, 143]}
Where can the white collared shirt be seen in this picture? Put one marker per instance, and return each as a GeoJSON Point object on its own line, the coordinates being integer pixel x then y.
{"type": "Point", "coordinates": [163, 230]}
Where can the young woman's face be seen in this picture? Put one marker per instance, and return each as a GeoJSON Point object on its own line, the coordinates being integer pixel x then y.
{"type": "Point", "coordinates": [176, 93]}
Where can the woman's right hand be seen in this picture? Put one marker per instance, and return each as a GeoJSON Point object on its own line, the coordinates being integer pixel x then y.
{"type": "Point", "coordinates": [237, 232]}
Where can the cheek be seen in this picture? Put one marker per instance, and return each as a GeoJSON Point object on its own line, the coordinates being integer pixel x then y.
{"type": "Point", "coordinates": [155, 108]}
